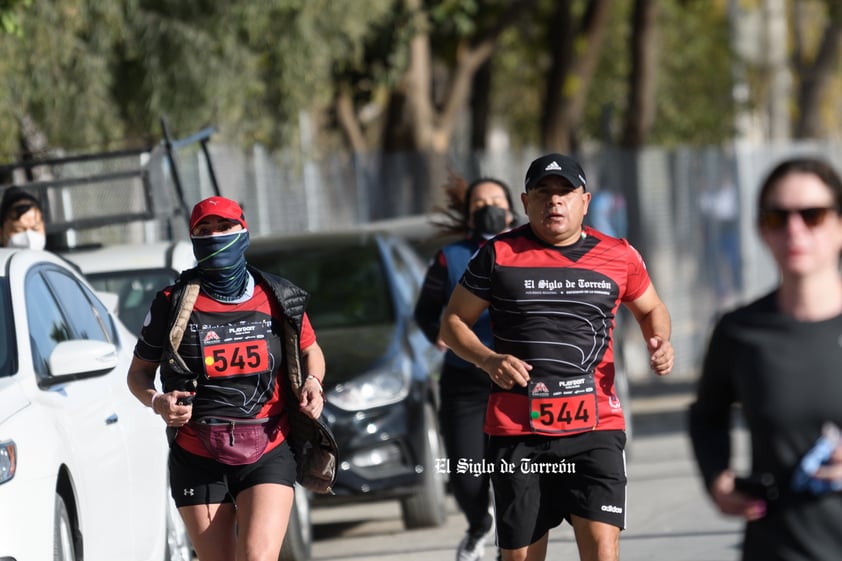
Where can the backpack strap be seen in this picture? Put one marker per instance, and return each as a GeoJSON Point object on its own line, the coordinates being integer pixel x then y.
{"type": "Point", "coordinates": [182, 314]}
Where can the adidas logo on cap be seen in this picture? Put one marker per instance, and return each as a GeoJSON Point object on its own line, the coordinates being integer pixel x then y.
{"type": "Point", "coordinates": [555, 164]}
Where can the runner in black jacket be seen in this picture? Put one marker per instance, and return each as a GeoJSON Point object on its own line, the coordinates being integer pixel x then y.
{"type": "Point", "coordinates": [227, 391]}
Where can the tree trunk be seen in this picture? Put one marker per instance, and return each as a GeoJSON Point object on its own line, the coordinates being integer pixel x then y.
{"type": "Point", "coordinates": [575, 53]}
{"type": "Point", "coordinates": [418, 91]}
{"type": "Point", "coordinates": [815, 77]}
{"type": "Point", "coordinates": [348, 121]}
{"type": "Point", "coordinates": [480, 107]}
{"type": "Point", "coordinates": [779, 72]}
{"type": "Point", "coordinates": [640, 114]}
{"type": "Point", "coordinates": [433, 130]}
{"type": "Point", "coordinates": [554, 135]}
{"type": "Point", "coordinates": [468, 61]}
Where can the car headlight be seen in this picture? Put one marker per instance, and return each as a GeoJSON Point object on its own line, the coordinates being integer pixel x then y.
{"type": "Point", "coordinates": [8, 460]}
{"type": "Point", "coordinates": [383, 386]}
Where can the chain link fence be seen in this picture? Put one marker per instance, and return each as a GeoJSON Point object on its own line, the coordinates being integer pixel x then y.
{"type": "Point", "coordinates": [689, 211]}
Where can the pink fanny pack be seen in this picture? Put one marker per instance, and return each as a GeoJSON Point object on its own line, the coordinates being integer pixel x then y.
{"type": "Point", "coordinates": [234, 441]}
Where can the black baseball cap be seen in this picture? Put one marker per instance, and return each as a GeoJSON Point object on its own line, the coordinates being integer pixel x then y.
{"type": "Point", "coordinates": [555, 164]}
{"type": "Point", "coordinates": [13, 196]}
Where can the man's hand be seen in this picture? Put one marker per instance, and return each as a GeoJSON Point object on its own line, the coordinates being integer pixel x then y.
{"type": "Point", "coordinates": [506, 370]}
{"type": "Point", "coordinates": [661, 355]}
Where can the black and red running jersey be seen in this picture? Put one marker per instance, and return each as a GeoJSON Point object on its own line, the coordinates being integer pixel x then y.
{"type": "Point", "coordinates": [235, 349]}
{"type": "Point", "coordinates": [554, 308]}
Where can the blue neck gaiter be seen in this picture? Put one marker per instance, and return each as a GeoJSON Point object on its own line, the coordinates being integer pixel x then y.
{"type": "Point", "coordinates": [222, 264]}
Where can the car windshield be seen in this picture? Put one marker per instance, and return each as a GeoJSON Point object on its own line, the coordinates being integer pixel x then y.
{"type": "Point", "coordinates": [7, 333]}
{"type": "Point", "coordinates": [136, 290]}
{"type": "Point", "coordinates": [347, 282]}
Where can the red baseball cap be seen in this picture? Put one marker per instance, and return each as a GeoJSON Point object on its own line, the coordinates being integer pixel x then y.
{"type": "Point", "coordinates": [217, 206]}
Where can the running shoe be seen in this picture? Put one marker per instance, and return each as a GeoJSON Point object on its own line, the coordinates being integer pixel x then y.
{"type": "Point", "coordinates": [470, 548]}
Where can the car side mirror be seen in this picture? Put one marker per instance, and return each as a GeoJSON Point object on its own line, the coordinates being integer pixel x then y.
{"type": "Point", "coordinates": [82, 358]}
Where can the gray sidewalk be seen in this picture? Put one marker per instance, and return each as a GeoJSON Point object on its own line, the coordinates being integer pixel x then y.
{"type": "Point", "coordinates": [670, 517]}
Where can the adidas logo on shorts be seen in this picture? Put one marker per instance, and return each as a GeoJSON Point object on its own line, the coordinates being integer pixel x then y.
{"type": "Point", "coordinates": [611, 508]}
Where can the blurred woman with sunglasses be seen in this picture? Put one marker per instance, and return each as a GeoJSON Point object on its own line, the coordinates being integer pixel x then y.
{"type": "Point", "coordinates": [780, 358]}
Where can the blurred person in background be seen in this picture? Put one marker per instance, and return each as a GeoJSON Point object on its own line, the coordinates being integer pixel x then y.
{"type": "Point", "coordinates": [720, 206]}
{"type": "Point", "coordinates": [553, 288]}
{"type": "Point", "coordinates": [607, 213]}
{"type": "Point", "coordinates": [23, 220]}
{"type": "Point", "coordinates": [477, 212]}
{"type": "Point", "coordinates": [228, 392]}
{"type": "Point", "coordinates": [779, 357]}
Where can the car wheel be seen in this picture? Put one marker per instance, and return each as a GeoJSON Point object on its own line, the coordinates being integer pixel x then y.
{"type": "Point", "coordinates": [298, 540]}
{"type": "Point", "coordinates": [426, 507]}
{"type": "Point", "coordinates": [179, 547]}
{"type": "Point", "coordinates": [63, 549]}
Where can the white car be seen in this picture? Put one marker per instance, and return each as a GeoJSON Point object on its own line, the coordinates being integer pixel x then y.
{"type": "Point", "coordinates": [135, 272]}
{"type": "Point", "coordinates": [83, 465]}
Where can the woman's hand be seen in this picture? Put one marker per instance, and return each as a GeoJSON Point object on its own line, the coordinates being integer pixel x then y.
{"type": "Point", "coordinates": [168, 407]}
{"type": "Point", "coordinates": [732, 502]}
{"type": "Point", "coordinates": [312, 397]}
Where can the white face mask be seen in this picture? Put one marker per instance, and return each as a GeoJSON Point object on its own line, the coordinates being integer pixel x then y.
{"type": "Point", "coordinates": [28, 239]}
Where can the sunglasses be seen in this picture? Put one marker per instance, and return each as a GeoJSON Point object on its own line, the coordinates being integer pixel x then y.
{"type": "Point", "coordinates": [777, 218]}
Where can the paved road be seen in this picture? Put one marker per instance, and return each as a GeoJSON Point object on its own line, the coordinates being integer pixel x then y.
{"type": "Point", "coordinates": [669, 516]}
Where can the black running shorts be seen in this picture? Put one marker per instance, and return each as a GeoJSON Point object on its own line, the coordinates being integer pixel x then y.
{"type": "Point", "coordinates": [196, 480]}
{"type": "Point", "coordinates": [538, 481]}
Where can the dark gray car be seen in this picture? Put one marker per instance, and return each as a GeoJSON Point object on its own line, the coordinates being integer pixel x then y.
{"type": "Point", "coordinates": [381, 376]}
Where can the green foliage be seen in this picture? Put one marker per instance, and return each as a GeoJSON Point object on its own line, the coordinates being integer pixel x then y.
{"type": "Point", "coordinates": [183, 60]}
{"type": "Point", "coordinates": [694, 80]}
{"type": "Point", "coordinates": [695, 102]}
{"type": "Point", "coordinates": [456, 17]}
{"type": "Point", "coordinates": [9, 18]}
{"type": "Point", "coordinates": [518, 85]}
{"type": "Point", "coordinates": [610, 89]}
{"type": "Point", "coordinates": [297, 46]}
{"type": "Point", "coordinates": [57, 74]}
{"type": "Point", "coordinates": [94, 74]}
{"type": "Point", "coordinates": [520, 67]}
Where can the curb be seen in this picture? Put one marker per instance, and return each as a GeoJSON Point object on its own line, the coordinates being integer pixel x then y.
{"type": "Point", "coordinates": [660, 406]}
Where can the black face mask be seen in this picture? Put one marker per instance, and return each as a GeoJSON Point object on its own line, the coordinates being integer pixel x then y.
{"type": "Point", "coordinates": [222, 264]}
{"type": "Point", "coordinates": [489, 221]}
